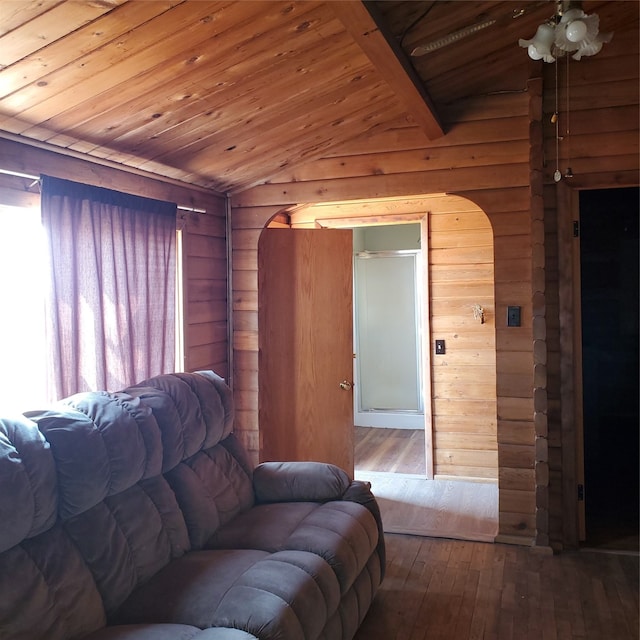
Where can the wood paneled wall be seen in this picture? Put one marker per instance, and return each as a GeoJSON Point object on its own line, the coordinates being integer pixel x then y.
{"type": "Point", "coordinates": [602, 149]}
{"type": "Point", "coordinates": [204, 238]}
{"type": "Point", "coordinates": [484, 158]}
{"type": "Point", "coordinates": [205, 297]}
{"type": "Point", "coordinates": [464, 394]}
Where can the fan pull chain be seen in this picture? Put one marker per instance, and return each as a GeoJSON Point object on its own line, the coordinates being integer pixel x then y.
{"type": "Point", "coordinates": [568, 173]}
{"type": "Point", "coordinates": [557, 176]}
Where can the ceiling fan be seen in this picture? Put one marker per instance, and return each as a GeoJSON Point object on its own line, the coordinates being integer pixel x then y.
{"type": "Point", "coordinates": [464, 32]}
{"type": "Point", "coordinates": [569, 30]}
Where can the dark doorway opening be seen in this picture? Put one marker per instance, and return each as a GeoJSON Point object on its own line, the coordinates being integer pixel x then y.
{"type": "Point", "coordinates": [609, 264]}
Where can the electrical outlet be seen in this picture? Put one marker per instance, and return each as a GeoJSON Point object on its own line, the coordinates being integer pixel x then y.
{"type": "Point", "coordinates": [440, 348]}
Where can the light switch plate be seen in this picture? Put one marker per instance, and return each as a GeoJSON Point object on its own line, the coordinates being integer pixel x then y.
{"type": "Point", "coordinates": [440, 348]}
{"type": "Point", "coordinates": [513, 316]}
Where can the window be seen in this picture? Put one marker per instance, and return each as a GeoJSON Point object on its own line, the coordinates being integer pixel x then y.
{"type": "Point", "coordinates": [22, 320]}
{"type": "Point", "coordinates": [24, 278]}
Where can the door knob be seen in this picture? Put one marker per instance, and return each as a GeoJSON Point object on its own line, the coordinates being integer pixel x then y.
{"type": "Point", "coordinates": [345, 385]}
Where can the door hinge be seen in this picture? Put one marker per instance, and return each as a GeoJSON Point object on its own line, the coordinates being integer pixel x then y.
{"type": "Point", "coordinates": [580, 493]}
{"type": "Point", "coordinates": [576, 228]}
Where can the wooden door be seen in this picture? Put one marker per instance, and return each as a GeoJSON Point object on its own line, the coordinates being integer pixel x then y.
{"type": "Point", "coordinates": [305, 327]}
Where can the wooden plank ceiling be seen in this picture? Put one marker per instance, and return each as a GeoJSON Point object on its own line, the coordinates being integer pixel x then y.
{"type": "Point", "coordinates": [227, 95]}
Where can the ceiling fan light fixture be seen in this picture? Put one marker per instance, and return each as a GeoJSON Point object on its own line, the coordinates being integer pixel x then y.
{"type": "Point", "coordinates": [571, 30]}
{"type": "Point", "coordinates": [539, 47]}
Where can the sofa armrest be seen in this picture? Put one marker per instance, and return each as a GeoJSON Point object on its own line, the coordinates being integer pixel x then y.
{"type": "Point", "coordinates": [360, 492]}
{"type": "Point", "coordinates": [223, 633]}
{"type": "Point", "coordinates": [299, 482]}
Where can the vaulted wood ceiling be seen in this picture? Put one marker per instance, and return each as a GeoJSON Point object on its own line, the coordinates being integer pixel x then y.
{"type": "Point", "coordinates": [229, 94]}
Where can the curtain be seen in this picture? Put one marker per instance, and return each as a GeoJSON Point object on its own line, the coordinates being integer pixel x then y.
{"type": "Point", "coordinates": [111, 299]}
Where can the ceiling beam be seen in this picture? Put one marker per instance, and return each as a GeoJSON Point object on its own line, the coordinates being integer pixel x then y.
{"type": "Point", "coordinates": [367, 27]}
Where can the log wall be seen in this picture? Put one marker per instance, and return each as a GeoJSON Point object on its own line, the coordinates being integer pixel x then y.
{"type": "Point", "coordinates": [204, 238]}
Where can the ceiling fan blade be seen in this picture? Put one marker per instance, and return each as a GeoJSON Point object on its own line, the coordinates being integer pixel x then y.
{"type": "Point", "coordinates": [452, 37]}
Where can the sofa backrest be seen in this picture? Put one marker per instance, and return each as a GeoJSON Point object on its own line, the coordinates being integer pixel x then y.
{"type": "Point", "coordinates": [206, 466]}
{"type": "Point", "coordinates": [194, 411]}
{"type": "Point", "coordinates": [113, 500]}
{"type": "Point", "coordinates": [46, 589]}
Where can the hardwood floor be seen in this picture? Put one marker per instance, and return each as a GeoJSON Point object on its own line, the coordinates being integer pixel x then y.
{"type": "Point", "coordinates": [437, 589]}
{"type": "Point", "coordinates": [390, 450]}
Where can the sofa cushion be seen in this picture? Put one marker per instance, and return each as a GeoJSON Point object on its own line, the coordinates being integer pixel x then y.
{"type": "Point", "coordinates": [194, 411]}
{"type": "Point", "coordinates": [102, 444]}
{"type": "Point", "coordinates": [167, 632]}
{"type": "Point", "coordinates": [212, 487]}
{"type": "Point", "coordinates": [266, 527]}
{"type": "Point", "coordinates": [145, 530]}
{"type": "Point", "coordinates": [354, 604]}
{"type": "Point", "coordinates": [47, 591]}
{"type": "Point", "coordinates": [107, 449]}
{"type": "Point", "coordinates": [290, 594]}
{"type": "Point", "coordinates": [28, 499]}
{"type": "Point", "coordinates": [146, 632]}
{"type": "Point", "coordinates": [216, 403]}
{"type": "Point", "coordinates": [344, 533]}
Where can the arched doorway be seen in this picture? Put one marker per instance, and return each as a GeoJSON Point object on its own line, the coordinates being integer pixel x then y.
{"type": "Point", "coordinates": [459, 308]}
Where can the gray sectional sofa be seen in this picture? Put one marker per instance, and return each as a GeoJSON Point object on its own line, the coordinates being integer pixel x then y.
{"type": "Point", "coordinates": [137, 516]}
